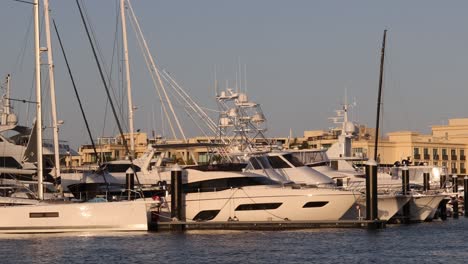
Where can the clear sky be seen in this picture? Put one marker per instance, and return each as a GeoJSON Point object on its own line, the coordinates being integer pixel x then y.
{"type": "Point", "coordinates": [300, 58]}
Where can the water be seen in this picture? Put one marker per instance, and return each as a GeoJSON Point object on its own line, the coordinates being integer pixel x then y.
{"type": "Point", "coordinates": [436, 242]}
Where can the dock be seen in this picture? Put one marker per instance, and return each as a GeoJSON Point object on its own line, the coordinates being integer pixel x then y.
{"type": "Point", "coordinates": [266, 225]}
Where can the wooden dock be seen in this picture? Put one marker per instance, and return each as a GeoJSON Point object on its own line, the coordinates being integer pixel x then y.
{"type": "Point", "coordinates": [265, 225]}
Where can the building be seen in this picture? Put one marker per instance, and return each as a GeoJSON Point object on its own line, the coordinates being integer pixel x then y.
{"type": "Point", "coordinates": [445, 146]}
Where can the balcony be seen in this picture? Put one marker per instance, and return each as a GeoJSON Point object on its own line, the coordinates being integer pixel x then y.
{"type": "Point", "coordinates": [454, 157]}
{"type": "Point", "coordinates": [417, 156]}
{"type": "Point", "coordinates": [463, 171]}
{"type": "Point", "coordinates": [435, 157]}
{"type": "Point", "coordinates": [426, 156]}
{"type": "Point", "coordinates": [444, 157]}
{"type": "Point", "coordinates": [462, 157]}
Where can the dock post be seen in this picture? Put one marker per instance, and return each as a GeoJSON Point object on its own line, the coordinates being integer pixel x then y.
{"type": "Point", "coordinates": [129, 182]}
{"type": "Point", "coordinates": [405, 191]}
{"type": "Point", "coordinates": [465, 195]}
{"type": "Point", "coordinates": [405, 180]}
{"type": "Point", "coordinates": [371, 190]}
{"type": "Point", "coordinates": [177, 205]}
{"type": "Point", "coordinates": [454, 183]}
{"type": "Point", "coordinates": [426, 184]}
{"type": "Point", "coordinates": [176, 193]}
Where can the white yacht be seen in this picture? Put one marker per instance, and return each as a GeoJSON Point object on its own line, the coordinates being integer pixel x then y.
{"type": "Point", "coordinates": [215, 195]}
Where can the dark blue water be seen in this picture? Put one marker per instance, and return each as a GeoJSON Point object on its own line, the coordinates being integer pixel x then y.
{"type": "Point", "coordinates": [436, 242]}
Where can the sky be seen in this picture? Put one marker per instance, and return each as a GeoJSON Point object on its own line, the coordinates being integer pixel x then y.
{"type": "Point", "coordinates": [300, 57]}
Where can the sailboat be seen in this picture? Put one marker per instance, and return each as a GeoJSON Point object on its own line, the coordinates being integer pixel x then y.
{"type": "Point", "coordinates": [61, 216]}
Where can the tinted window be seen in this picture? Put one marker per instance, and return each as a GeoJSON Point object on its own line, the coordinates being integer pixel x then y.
{"type": "Point", "coordinates": [293, 160]}
{"type": "Point", "coordinates": [120, 167]}
{"type": "Point", "coordinates": [226, 183]}
{"type": "Point", "coordinates": [258, 206]}
{"type": "Point", "coordinates": [314, 204]}
{"type": "Point", "coordinates": [206, 215]}
{"type": "Point", "coordinates": [255, 163]}
{"type": "Point", "coordinates": [9, 162]}
{"type": "Point", "coordinates": [278, 163]}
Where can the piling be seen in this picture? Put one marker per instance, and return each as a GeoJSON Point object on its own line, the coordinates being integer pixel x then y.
{"type": "Point", "coordinates": [129, 182]}
{"type": "Point", "coordinates": [176, 195]}
{"type": "Point", "coordinates": [454, 183]}
{"type": "Point", "coordinates": [465, 195]}
{"type": "Point", "coordinates": [405, 188]}
{"type": "Point", "coordinates": [371, 190]}
{"type": "Point", "coordinates": [405, 181]}
{"type": "Point", "coordinates": [426, 185]}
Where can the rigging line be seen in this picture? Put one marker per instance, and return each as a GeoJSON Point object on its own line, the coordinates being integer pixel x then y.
{"type": "Point", "coordinates": [127, 151]}
{"type": "Point", "coordinates": [99, 49]}
{"type": "Point", "coordinates": [153, 64]}
{"type": "Point", "coordinates": [187, 102]}
{"type": "Point", "coordinates": [76, 92]}
{"type": "Point", "coordinates": [20, 58]}
{"type": "Point", "coordinates": [210, 123]}
{"type": "Point", "coordinates": [148, 66]}
{"type": "Point", "coordinates": [79, 101]}
{"type": "Point", "coordinates": [24, 2]}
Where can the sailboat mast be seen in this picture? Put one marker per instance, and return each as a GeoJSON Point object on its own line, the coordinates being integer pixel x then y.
{"type": "Point", "coordinates": [379, 98]}
{"type": "Point", "coordinates": [40, 190]}
{"type": "Point", "coordinates": [127, 76]}
{"type": "Point", "coordinates": [50, 62]}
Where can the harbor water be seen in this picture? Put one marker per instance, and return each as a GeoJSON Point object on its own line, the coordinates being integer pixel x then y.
{"type": "Point", "coordinates": [434, 242]}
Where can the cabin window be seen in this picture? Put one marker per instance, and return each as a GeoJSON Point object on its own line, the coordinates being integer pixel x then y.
{"type": "Point", "coordinates": [255, 164]}
{"type": "Point", "coordinates": [314, 204]}
{"type": "Point", "coordinates": [9, 162]}
{"type": "Point", "coordinates": [278, 163]}
{"type": "Point", "coordinates": [258, 206]}
{"type": "Point", "coordinates": [206, 215]}
{"type": "Point", "coordinates": [43, 215]}
{"type": "Point", "coordinates": [225, 183]}
{"type": "Point", "coordinates": [293, 160]}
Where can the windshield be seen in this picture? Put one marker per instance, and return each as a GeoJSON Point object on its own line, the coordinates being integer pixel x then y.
{"type": "Point", "coordinates": [293, 160]}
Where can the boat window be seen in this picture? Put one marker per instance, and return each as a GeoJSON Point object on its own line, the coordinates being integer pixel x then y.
{"type": "Point", "coordinates": [9, 162]}
{"type": "Point", "coordinates": [278, 163]}
{"type": "Point", "coordinates": [258, 206]}
{"type": "Point", "coordinates": [226, 183]}
{"type": "Point", "coordinates": [293, 160]}
{"type": "Point", "coordinates": [111, 167]}
{"type": "Point", "coordinates": [206, 215]}
{"type": "Point", "coordinates": [314, 204]}
{"type": "Point", "coordinates": [254, 162]}
{"type": "Point", "coordinates": [219, 167]}
{"type": "Point", "coordinates": [43, 215]}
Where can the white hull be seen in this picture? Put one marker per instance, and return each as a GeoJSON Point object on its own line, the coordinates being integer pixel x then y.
{"type": "Point", "coordinates": [324, 204]}
{"type": "Point", "coordinates": [388, 206]}
{"type": "Point", "coordinates": [74, 217]}
{"type": "Point", "coordinates": [424, 207]}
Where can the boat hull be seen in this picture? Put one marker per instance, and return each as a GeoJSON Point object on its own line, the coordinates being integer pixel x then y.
{"type": "Point", "coordinates": [424, 207]}
{"type": "Point", "coordinates": [267, 204]}
{"type": "Point", "coordinates": [74, 217]}
{"type": "Point", "coordinates": [388, 206]}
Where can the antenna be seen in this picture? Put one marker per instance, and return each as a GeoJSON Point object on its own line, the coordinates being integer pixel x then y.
{"type": "Point", "coordinates": [245, 77]}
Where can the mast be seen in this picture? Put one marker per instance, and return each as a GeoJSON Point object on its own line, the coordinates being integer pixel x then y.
{"type": "Point", "coordinates": [40, 190]}
{"type": "Point", "coordinates": [50, 63]}
{"type": "Point", "coordinates": [7, 101]}
{"type": "Point", "coordinates": [127, 77]}
{"type": "Point", "coordinates": [379, 95]}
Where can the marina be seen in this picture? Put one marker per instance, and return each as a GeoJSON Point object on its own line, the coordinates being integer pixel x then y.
{"type": "Point", "coordinates": [210, 176]}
